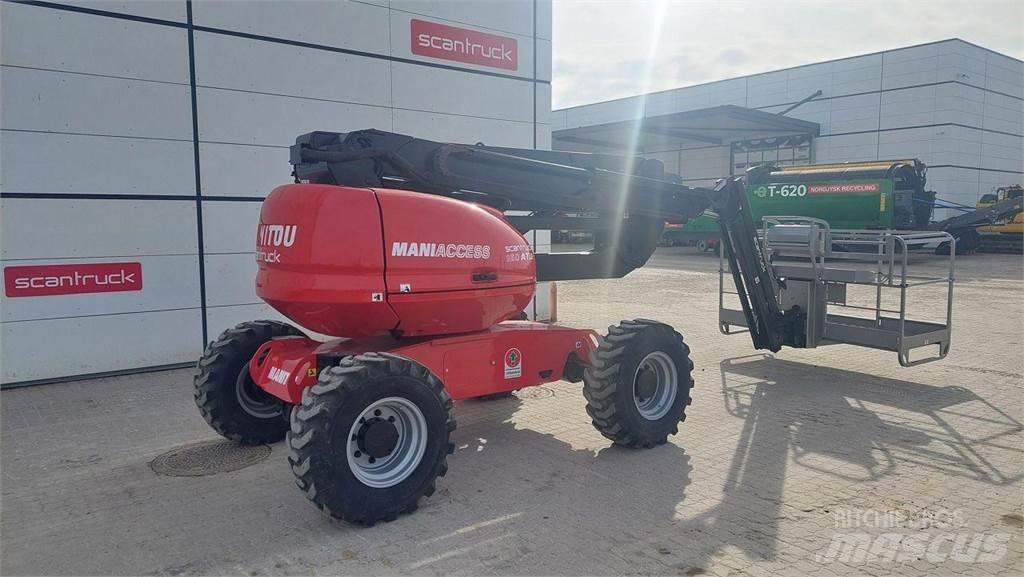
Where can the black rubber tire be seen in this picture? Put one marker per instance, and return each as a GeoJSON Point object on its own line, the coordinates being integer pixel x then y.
{"type": "Point", "coordinates": [216, 382]}
{"type": "Point", "coordinates": [330, 407]}
{"type": "Point", "coordinates": [608, 383]}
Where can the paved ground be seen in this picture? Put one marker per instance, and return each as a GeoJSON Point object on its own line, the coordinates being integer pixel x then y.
{"type": "Point", "coordinates": [832, 462]}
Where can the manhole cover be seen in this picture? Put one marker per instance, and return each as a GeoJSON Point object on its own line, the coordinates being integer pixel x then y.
{"type": "Point", "coordinates": [540, 392]}
{"type": "Point", "coordinates": [208, 458]}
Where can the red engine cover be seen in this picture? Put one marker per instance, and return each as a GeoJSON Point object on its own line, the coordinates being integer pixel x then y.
{"type": "Point", "coordinates": [356, 262]}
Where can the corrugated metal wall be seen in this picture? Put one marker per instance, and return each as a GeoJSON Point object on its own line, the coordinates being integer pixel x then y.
{"type": "Point", "coordinates": [956, 106]}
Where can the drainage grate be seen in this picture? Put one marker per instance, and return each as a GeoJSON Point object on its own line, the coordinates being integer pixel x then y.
{"type": "Point", "coordinates": [208, 458]}
{"type": "Point", "coordinates": [538, 392]}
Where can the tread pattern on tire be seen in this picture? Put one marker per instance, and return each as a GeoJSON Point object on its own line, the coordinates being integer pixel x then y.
{"type": "Point", "coordinates": [602, 379]}
{"type": "Point", "coordinates": [312, 416]}
{"type": "Point", "coordinates": [213, 398]}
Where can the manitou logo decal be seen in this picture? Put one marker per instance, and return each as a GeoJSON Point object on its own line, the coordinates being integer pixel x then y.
{"type": "Point", "coordinates": [441, 250]}
{"type": "Point", "coordinates": [272, 236]}
{"type": "Point", "coordinates": [276, 235]}
{"type": "Point", "coordinates": [461, 45]}
{"type": "Point", "coordinates": [69, 279]}
{"type": "Point", "coordinates": [279, 376]}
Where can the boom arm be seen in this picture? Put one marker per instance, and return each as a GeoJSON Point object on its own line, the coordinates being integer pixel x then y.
{"type": "Point", "coordinates": [625, 200]}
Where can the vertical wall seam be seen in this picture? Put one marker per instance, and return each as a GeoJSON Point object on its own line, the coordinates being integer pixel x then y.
{"type": "Point", "coordinates": [881, 91]}
{"type": "Point", "coordinates": [981, 148]}
{"type": "Point", "coordinates": [391, 66]}
{"type": "Point", "coordinates": [190, 29]}
{"type": "Point", "coordinates": [534, 83]}
{"type": "Point", "coordinates": [533, 317]}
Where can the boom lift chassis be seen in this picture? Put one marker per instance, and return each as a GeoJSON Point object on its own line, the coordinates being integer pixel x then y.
{"type": "Point", "coordinates": [367, 417]}
{"type": "Point", "coordinates": [633, 198]}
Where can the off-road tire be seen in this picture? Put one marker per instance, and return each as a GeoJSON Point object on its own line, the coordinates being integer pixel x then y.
{"type": "Point", "coordinates": [216, 383]}
{"type": "Point", "coordinates": [320, 427]}
{"type": "Point", "coordinates": [608, 383]}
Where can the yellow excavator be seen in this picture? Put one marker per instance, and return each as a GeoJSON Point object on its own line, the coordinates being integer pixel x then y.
{"type": "Point", "coordinates": [1006, 234]}
{"type": "Point", "coordinates": [995, 225]}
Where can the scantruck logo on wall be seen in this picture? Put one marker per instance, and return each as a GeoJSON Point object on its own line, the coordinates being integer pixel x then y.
{"type": "Point", "coordinates": [462, 45]}
{"type": "Point", "coordinates": [70, 279]}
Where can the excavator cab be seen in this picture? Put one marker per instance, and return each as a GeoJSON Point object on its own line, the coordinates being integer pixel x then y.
{"type": "Point", "coordinates": [1002, 193]}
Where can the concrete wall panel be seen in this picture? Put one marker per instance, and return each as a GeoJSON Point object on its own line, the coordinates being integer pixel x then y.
{"type": "Point", "coordinates": [230, 227]}
{"type": "Point", "coordinates": [242, 170]}
{"type": "Point", "coordinates": [273, 68]}
{"type": "Point", "coordinates": [98, 344]}
{"type": "Point", "coordinates": [69, 229]}
{"type": "Point", "coordinates": [452, 92]}
{"type": "Point", "coordinates": [466, 129]}
{"type": "Point", "coordinates": [47, 162]}
{"type": "Point", "coordinates": [345, 24]}
{"type": "Point", "coordinates": [92, 44]}
{"type": "Point", "coordinates": [42, 100]}
{"type": "Point", "coordinates": [172, 10]}
{"type": "Point", "coordinates": [231, 280]}
{"type": "Point", "coordinates": [506, 17]}
{"type": "Point", "coordinates": [262, 119]}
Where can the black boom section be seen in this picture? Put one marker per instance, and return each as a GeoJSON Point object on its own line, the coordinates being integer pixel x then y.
{"type": "Point", "coordinates": [624, 201]}
{"type": "Point", "coordinates": [770, 328]}
{"type": "Point", "coordinates": [507, 178]}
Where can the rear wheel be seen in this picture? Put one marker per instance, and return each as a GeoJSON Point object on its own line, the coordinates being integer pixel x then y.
{"type": "Point", "coordinates": [225, 393]}
{"type": "Point", "coordinates": [638, 385]}
{"type": "Point", "coordinates": [371, 437]}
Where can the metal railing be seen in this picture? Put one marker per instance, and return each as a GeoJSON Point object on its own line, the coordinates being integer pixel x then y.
{"type": "Point", "coordinates": [880, 259]}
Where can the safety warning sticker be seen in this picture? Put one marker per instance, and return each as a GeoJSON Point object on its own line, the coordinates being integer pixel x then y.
{"type": "Point", "coordinates": [513, 363]}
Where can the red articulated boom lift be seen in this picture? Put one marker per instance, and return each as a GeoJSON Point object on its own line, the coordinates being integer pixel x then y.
{"type": "Point", "coordinates": [400, 247]}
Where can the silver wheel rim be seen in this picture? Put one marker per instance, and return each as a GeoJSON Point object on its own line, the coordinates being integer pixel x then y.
{"type": "Point", "coordinates": [393, 468]}
{"type": "Point", "coordinates": [659, 402]}
{"type": "Point", "coordinates": [254, 400]}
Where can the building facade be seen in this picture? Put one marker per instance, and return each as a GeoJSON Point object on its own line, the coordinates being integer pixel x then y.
{"type": "Point", "coordinates": [956, 106]}
{"type": "Point", "coordinates": [139, 139]}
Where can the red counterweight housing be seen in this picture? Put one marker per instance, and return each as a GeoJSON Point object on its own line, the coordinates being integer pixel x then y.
{"type": "Point", "coordinates": [351, 262]}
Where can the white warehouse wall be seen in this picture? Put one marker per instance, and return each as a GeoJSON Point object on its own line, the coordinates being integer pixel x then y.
{"type": "Point", "coordinates": [99, 161]}
{"type": "Point", "coordinates": [956, 106]}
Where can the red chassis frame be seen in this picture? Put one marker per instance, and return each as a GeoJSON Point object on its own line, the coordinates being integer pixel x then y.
{"type": "Point", "coordinates": [507, 356]}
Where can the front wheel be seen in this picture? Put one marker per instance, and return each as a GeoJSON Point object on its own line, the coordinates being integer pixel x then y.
{"type": "Point", "coordinates": [638, 385]}
{"type": "Point", "coordinates": [371, 437]}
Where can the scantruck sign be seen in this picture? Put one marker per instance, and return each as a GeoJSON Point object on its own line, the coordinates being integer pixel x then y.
{"type": "Point", "coordinates": [462, 45]}
{"type": "Point", "coordinates": [69, 279]}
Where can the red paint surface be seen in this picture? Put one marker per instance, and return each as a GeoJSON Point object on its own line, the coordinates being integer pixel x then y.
{"type": "Point", "coordinates": [462, 45]}
{"type": "Point", "coordinates": [356, 262]}
{"type": "Point", "coordinates": [469, 365]}
{"type": "Point", "coordinates": [68, 279]}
